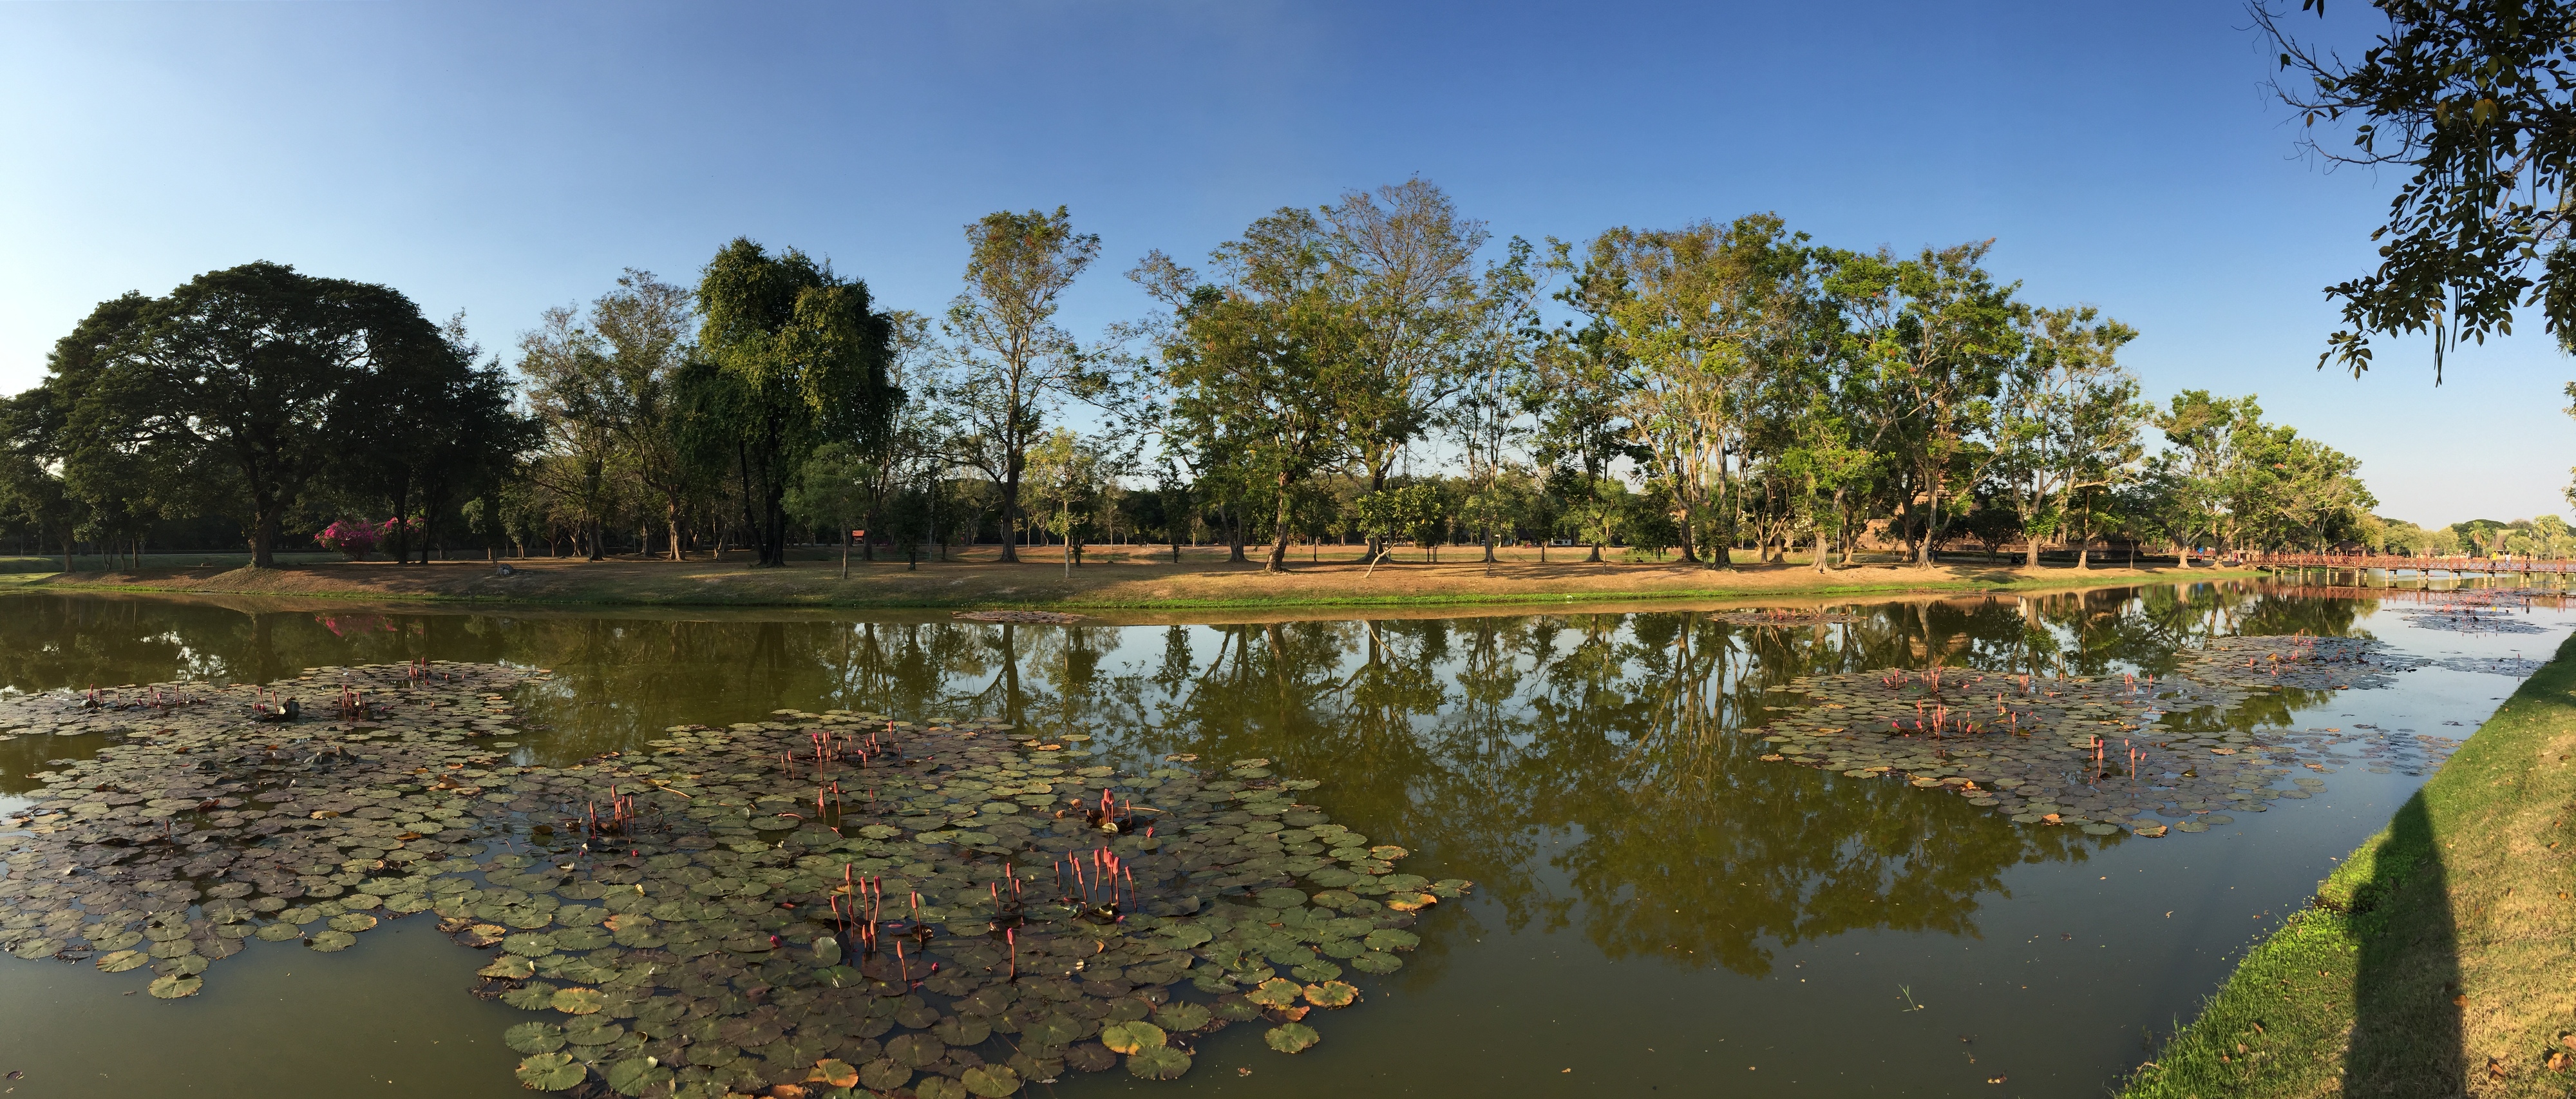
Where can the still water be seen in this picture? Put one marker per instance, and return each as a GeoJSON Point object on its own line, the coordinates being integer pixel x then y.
{"type": "Point", "coordinates": [1655, 910]}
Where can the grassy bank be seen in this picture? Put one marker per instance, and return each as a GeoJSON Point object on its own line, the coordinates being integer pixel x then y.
{"type": "Point", "coordinates": [1134, 580]}
{"type": "Point", "coordinates": [2438, 960]}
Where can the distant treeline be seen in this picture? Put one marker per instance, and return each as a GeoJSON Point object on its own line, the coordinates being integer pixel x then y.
{"type": "Point", "coordinates": [1365, 372]}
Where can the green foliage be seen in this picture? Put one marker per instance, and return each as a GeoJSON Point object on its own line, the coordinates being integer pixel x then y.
{"type": "Point", "coordinates": [796, 357]}
{"type": "Point", "coordinates": [247, 384]}
{"type": "Point", "coordinates": [2473, 97]}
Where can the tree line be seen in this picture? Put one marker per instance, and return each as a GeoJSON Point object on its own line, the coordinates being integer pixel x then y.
{"type": "Point", "coordinates": [1372, 372]}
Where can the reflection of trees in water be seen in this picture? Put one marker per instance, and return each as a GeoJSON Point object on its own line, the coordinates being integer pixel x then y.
{"type": "Point", "coordinates": [1586, 769]}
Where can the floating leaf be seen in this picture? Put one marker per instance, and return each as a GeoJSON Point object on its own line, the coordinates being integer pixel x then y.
{"type": "Point", "coordinates": [966, 1030]}
{"type": "Point", "coordinates": [939, 1087]}
{"type": "Point", "coordinates": [1091, 1057]}
{"type": "Point", "coordinates": [1159, 1063]}
{"type": "Point", "coordinates": [1292, 1037]}
{"type": "Point", "coordinates": [636, 1075]}
{"type": "Point", "coordinates": [1331, 994]}
{"type": "Point", "coordinates": [1377, 962]}
{"type": "Point", "coordinates": [122, 960]}
{"type": "Point", "coordinates": [835, 1072]}
{"type": "Point", "coordinates": [174, 987]}
{"type": "Point", "coordinates": [991, 1081]}
{"type": "Point", "coordinates": [551, 1072]}
{"type": "Point", "coordinates": [1392, 938]}
{"type": "Point", "coordinates": [1054, 1030]}
{"type": "Point", "coordinates": [1274, 993]}
{"type": "Point", "coordinates": [578, 1001]}
{"type": "Point", "coordinates": [917, 1050]}
{"type": "Point", "coordinates": [1181, 1016]}
{"type": "Point", "coordinates": [1131, 1037]}
{"type": "Point", "coordinates": [534, 1037]}
{"type": "Point", "coordinates": [331, 941]}
{"type": "Point", "coordinates": [352, 922]}
{"type": "Point", "coordinates": [885, 1074]}
{"type": "Point", "coordinates": [280, 932]}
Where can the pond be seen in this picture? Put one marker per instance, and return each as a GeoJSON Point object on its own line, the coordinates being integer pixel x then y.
{"type": "Point", "coordinates": [1661, 898]}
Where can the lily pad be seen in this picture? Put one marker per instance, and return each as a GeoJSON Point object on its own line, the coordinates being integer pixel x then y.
{"type": "Point", "coordinates": [1292, 1037]}
{"type": "Point", "coordinates": [352, 922]}
{"type": "Point", "coordinates": [636, 1076]}
{"type": "Point", "coordinates": [1181, 1016]}
{"type": "Point", "coordinates": [939, 1087]}
{"type": "Point", "coordinates": [917, 1050]}
{"type": "Point", "coordinates": [122, 960]}
{"type": "Point", "coordinates": [1056, 1029]}
{"type": "Point", "coordinates": [991, 1081]}
{"type": "Point", "coordinates": [1132, 1037]}
{"type": "Point", "coordinates": [534, 1037]}
{"type": "Point", "coordinates": [885, 1074]}
{"type": "Point", "coordinates": [1159, 1063]}
{"type": "Point", "coordinates": [279, 932]}
{"type": "Point", "coordinates": [174, 987]}
{"type": "Point", "coordinates": [578, 1001]}
{"type": "Point", "coordinates": [1377, 962]}
{"type": "Point", "coordinates": [1274, 992]}
{"type": "Point", "coordinates": [832, 1071]}
{"type": "Point", "coordinates": [552, 1072]}
{"type": "Point", "coordinates": [1331, 994]}
{"type": "Point", "coordinates": [331, 941]}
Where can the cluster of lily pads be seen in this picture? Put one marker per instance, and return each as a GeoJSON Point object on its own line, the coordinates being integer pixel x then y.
{"type": "Point", "coordinates": [2082, 752]}
{"type": "Point", "coordinates": [202, 821]}
{"type": "Point", "coordinates": [837, 902]}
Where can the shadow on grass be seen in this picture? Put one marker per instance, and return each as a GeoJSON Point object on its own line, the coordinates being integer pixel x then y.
{"type": "Point", "coordinates": [2406, 1036]}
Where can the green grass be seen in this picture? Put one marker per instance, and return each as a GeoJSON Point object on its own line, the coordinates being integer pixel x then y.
{"type": "Point", "coordinates": [86, 562]}
{"type": "Point", "coordinates": [2437, 960]}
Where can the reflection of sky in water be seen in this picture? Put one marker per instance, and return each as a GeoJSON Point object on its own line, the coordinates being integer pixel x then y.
{"type": "Point", "coordinates": [1656, 908]}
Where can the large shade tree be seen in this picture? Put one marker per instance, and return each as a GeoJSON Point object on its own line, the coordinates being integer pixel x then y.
{"type": "Point", "coordinates": [246, 384]}
{"type": "Point", "coordinates": [793, 356]}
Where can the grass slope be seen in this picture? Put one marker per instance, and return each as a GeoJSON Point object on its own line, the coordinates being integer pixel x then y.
{"type": "Point", "coordinates": [2439, 960]}
{"type": "Point", "coordinates": [1138, 581]}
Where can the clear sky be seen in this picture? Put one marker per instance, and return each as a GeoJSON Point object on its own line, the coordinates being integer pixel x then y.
{"type": "Point", "coordinates": [501, 158]}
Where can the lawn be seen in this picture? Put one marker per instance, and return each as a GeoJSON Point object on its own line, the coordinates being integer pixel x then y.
{"type": "Point", "coordinates": [2438, 960]}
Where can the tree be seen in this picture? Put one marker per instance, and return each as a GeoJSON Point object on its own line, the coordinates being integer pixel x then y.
{"type": "Point", "coordinates": [444, 430]}
{"type": "Point", "coordinates": [249, 382]}
{"type": "Point", "coordinates": [1402, 260]}
{"type": "Point", "coordinates": [1067, 474]}
{"type": "Point", "coordinates": [2068, 419]}
{"type": "Point", "coordinates": [1013, 364]}
{"type": "Point", "coordinates": [1262, 365]}
{"type": "Point", "coordinates": [795, 358]}
{"type": "Point", "coordinates": [579, 404]}
{"type": "Point", "coordinates": [646, 329]}
{"type": "Point", "coordinates": [2478, 99]}
{"type": "Point", "coordinates": [1697, 315]}
{"type": "Point", "coordinates": [2200, 432]}
{"type": "Point", "coordinates": [1952, 338]}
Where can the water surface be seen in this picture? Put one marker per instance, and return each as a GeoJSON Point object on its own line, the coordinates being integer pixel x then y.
{"type": "Point", "coordinates": [1655, 909]}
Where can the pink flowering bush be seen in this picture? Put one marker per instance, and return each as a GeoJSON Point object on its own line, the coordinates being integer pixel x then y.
{"type": "Point", "coordinates": [357, 541]}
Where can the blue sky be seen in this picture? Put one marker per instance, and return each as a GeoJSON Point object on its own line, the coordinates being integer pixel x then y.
{"type": "Point", "coordinates": [502, 158]}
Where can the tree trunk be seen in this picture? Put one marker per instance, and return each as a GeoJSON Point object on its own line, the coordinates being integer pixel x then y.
{"type": "Point", "coordinates": [1279, 534]}
{"type": "Point", "coordinates": [1010, 508]}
